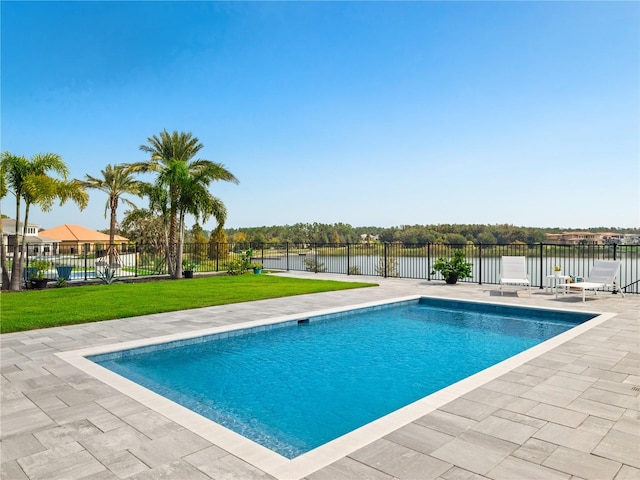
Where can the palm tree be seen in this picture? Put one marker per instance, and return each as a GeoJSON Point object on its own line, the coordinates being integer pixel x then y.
{"type": "Point", "coordinates": [3, 252]}
{"type": "Point", "coordinates": [183, 179]}
{"type": "Point", "coordinates": [195, 199]}
{"type": "Point", "coordinates": [115, 182]}
{"type": "Point", "coordinates": [28, 180]}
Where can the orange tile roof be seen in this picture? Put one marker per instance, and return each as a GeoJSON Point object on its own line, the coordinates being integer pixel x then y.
{"type": "Point", "coordinates": [77, 233]}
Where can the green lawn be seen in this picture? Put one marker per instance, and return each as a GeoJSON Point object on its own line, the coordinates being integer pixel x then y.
{"type": "Point", "coordinates": [53, 307]}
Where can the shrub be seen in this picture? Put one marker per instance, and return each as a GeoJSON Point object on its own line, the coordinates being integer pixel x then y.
{"type": "Point", "coordinates": [454, 268]}
{"type": "Point", "coordinates": [107, 275]}
{"type": "Point", "coordinates": [312, 265]}
{"type": "Point", "coordinates": [240, 264]}
{"type": "Point", "coordinates": [389, 268]}
{"type": "Point", "coordinates": [188, 265]}
{"type": "Point", "coordinates": [40, 267]}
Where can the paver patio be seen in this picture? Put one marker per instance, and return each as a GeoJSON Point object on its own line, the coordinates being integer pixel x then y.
{"type": "Point", "coordinates": [571, 413]}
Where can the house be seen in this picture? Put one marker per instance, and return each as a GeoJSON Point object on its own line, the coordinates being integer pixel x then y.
{"type": "Point", "coordinates": [75, 239]}
{"type": "Point", "coordinates": [368, 237]}
{"type": "Point", "coordinates": [36, 242]}
{"type": "Point", "coordinates": [593, 238]}
{"type": "Point", "coordinates": [576, 238]}
{"type": "Point", "coordinates": [621, 238]}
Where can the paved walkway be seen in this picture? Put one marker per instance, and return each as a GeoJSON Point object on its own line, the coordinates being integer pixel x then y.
{"type": "Point", "coordinates": [571, 413]}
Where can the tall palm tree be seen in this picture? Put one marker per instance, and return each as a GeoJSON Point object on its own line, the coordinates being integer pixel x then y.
{"type": "Point", "coordinates": [116, 181]}
{"type": "Point", "coordinates": [195, 199]}
{"type": "Point", "coordinates": [171, 157]}
{"type": "Point", "coordinates": [3, 251]}
{"type": "Point", "coordinates": [28, 180]}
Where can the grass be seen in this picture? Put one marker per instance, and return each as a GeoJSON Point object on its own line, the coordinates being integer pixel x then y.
{"type": "Point", "coordinates": [54, 307]}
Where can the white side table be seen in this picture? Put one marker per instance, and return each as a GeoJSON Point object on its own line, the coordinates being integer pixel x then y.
{"type": "Point", "coordinates": [554, 280]}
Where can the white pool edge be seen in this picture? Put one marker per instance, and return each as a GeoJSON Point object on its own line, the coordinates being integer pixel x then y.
{"type": "Point", "coordinates": [273, 463]}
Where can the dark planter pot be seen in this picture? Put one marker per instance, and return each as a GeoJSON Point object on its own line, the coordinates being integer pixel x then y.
{"type": "Point", "coordinates": [257, 270]}
{"type": "Point", "coordinates": [187, 273]}
{"type": "Point", "coordinates": [39, 283]}
{"type": "Point", "coordinates": [28, 273]}
{"type": "Point", "coordinates": [451, 280]}
{"type": "Point", "coordinates": [64, 271]}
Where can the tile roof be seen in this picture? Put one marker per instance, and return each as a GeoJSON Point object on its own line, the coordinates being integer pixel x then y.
{"type": "Point", "coordinates": [77, 233]}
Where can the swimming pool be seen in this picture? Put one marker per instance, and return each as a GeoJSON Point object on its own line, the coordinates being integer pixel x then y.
{"type": "Point", "coordinates": [82, 275]}
{"type": "Point", "coordinates": [296, 386]}
{"type": "Point", "coordinates": [276, 464]}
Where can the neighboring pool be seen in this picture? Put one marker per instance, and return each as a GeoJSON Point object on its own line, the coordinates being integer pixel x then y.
{"type": "Point", "coordinates": [81, 275]}
{"type": "Point", "coordinates": [295, 385]}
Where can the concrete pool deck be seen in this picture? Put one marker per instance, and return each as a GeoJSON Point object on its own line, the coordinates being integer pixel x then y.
{"type": "Point", "coordinates": [570, 413]}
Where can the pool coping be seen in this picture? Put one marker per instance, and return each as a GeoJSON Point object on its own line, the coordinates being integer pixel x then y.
{"type": "Point", "coordinates": [301, 466]}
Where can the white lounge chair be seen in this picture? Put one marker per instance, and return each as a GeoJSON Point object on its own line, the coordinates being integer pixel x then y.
{"type": "Point", "coordinates": [513, 271]}
{"type": "Point", "coordinates": [602, 275]}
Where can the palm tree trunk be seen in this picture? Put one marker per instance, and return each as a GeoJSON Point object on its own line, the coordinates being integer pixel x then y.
{"type": "Point", "coordinates": [112, 230]}
{"type": "Point", "coordinates": [3, 259]}
{"type": "Point", "coordinates": [175, 270]}
{"type": "Point", "coordinates": [24, 252]}
{"type": "Point", "coordinates": [166, 247]}
{"type": "Point", "coordinates": [180, 244]}
{"type": "Point", "coordinates": [16, 267]}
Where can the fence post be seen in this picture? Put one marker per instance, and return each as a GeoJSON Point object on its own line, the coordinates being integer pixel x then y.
{"type": "Point", "coordinates": [135, 269]}
{"type": "Point", "coordinates": [287, 248]}
{"type": "Point", "coordinates": [315, 256]}
{"type": "Point", "coordinates": [615, 248]}
{"type": "Point", "coordinates": [541, 267]}
{"type": "Point", "coordinates": [386, 259]}
{"type": "Point", "coordinates": [86, 259]}
{"type": "Point", "coordinates": [348, 258]}
{"type": "Point", "coordinates": [480, 256]}
{"type": "Point", "coordinates": [429, 261]}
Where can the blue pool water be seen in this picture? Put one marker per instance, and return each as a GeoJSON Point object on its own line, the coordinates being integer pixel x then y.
{"type": "Point", "coordinates": [295, 386]}
{"type": "Point", "coordinates": [81, 275]}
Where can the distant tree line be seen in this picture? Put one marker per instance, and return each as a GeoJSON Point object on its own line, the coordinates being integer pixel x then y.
{"type": "Point", "coordinates": [452, 234]}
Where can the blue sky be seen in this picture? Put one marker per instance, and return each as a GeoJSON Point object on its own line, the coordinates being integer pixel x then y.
{"type": "Point", "coordinates": [381, 113]}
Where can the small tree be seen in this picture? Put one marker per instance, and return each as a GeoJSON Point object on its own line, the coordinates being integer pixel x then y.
{"type": "Point", "coordinates": [388, 267]}
{"type": "Point", "coordinates": [240, 264]}
{"type": "Point", "coordinates": [312, 265]}
{"type": "Point", "coordinates": [198, 240]}
{"type": "Point", "coordinates": [218, 244]}
{"type": "Point", "coordinates": [240, 237]}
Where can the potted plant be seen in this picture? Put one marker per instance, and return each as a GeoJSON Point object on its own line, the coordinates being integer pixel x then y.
{"type": "Point", "coordinates": [38, 281]}
{"type": "Point", "coordinates": [64, 271]}
{"type": "Point", "coordinates": [454, 268]}
{"type": "Point", "coordinates": [557, 271]}
{"type": "Point", "coordinates": [27, 275]}
{"type": "Point", "coordinates": [187, 268]}
{"type": "Point", "coordinates": [257, 267]}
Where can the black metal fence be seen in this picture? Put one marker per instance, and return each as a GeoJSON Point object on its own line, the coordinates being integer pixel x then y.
{"type": "Point", "coordinates": [85, 262]}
